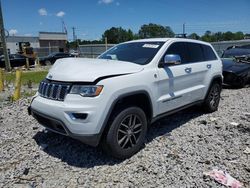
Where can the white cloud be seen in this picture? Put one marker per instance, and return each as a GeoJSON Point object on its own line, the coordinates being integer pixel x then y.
{"type": "Point", "coordinates": [117, 4]}
{"type": "Point", "coordinates": [42, 12]}
{"type": "Point", "coordinates": [60, 14]}
{"type": "Point", "coordinates": [105, 1]}
{"type": "Point", "coordinates": [13, 32]}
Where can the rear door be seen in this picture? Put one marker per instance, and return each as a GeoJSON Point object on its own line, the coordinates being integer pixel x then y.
{"type": "Point", "coordinates": [199, 70]}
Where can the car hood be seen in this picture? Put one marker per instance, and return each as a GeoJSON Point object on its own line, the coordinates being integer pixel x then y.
{"type": "Point", "coordinates": [231, 65]}
{"type": "Point", "coordinates": [89, 70]}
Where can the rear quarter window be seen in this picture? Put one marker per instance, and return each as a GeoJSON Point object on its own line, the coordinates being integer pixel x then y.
{"type": "Point", "coordinates": [208, 53]}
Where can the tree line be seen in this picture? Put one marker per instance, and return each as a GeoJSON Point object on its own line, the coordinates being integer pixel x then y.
{"type": "Point", "coordinates": [116, 35]}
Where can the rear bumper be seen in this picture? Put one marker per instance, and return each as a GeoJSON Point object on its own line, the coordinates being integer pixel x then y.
{"type": "Point", "coordinates": [59, 127]}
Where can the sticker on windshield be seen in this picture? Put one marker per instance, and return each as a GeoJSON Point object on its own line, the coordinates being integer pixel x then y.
{"type": "Point", "coordinates": [112, 56]}
{"type": "Point", "coordinates": [150, 46]}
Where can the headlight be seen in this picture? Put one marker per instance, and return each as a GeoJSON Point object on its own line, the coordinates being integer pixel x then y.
{"type": "Point", "coordinates": [86, 91]}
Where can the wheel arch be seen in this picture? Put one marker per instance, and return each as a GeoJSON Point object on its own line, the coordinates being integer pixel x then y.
{"type": "Point", "coordinates": [216, 78]}
{"type": "Point", "coordinates": [128, 99]}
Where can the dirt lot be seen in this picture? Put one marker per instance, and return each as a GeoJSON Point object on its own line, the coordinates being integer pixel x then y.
{"type": "Point", "coordinates": [179, 149]}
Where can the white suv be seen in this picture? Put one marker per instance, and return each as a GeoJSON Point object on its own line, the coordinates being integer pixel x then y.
{"type": "Point", "coordinates": [113, 99]}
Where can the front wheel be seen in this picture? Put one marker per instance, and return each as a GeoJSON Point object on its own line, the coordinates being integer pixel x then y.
{"type": "Point", "coordinates": [212, 100]}
{"type": "Point", "coordinates": [127, 133]}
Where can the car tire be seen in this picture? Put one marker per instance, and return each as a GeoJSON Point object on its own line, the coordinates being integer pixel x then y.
{"type": "Point", "coordinates": [242, 82]}
{"type": "Point", "coordinates": [212, 99]}
{"type": "Point", "coordinates": [126, 134]}
{"type": "Point", "coordinates": [48, 63]}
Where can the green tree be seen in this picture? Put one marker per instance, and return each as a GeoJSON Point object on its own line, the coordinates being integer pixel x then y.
{"type": "Point", "coordinates": [154, 30]}
{"type": "Point", "coordinates": [194, 36]}
{"type": "Point", "coordinates": [239, 35]}
{"type": "Point", "coordinates": [218, 36]}
{"type": "Point", "coordinates": [117, 35]}
{"type": "Point", "coordinates": [207, 36]}
{"type": "Point", "coordinates": [228, 36]}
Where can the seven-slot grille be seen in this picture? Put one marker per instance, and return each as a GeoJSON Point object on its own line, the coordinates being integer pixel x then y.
{"type": "Point", "coordinates": [53, 90]}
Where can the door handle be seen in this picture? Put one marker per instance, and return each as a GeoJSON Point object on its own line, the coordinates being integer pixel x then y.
{"type": "Point", "coordinates": [209, 66]}
{"type": "Point", "coordinates": [188, 70]}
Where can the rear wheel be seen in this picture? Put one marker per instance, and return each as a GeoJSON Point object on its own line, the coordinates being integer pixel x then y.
{"type": "Point", "coordinates": [242, 82]}
{"type": "Point", "coordinates": [127, 133]}
{"type": "Point", "coordinates": [212, 100]}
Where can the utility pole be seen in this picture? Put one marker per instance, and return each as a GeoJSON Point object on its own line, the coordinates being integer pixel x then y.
{"type": "Point", "coordinates": [183, 29]}
{"type": "Point", "coordinates": [74, 37]}
{"type": "Point", "coordinates": [6, 55]}
{"type": "Point", "coordinates": [74, 34]}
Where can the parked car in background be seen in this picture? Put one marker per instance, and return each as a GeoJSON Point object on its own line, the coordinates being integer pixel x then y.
{"type": "Point", "coordinates": [51, 58]}
{"type": "Point", "coordinates": [236, 66]}
{"type": "Point", "coordinates": [16, 60]}
{"type": "Point", "coordinates": [75, 53]}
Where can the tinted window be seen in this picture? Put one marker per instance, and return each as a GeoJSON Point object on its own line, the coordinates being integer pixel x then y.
{"type": "Point", "coordinates": [195, 52]}
{"type": "Point", "coordinates": [178, 48]}
{"type": "Point", "coordinates": [208, 53]}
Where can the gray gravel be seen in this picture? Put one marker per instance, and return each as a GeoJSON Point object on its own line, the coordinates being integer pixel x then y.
{"type": "Point", "coordinates": [179, 149]}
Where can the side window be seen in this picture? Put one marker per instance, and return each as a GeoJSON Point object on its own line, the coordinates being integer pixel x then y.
{"type": "Point", "coordinates": [178, 48]}
{"type": "Point", "coordinates": [208, 53]}
{"type": "Point", "coordinates": [195, 52]}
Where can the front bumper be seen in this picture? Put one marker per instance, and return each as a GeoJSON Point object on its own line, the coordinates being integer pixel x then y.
{"type": "Point", "coordinates": [59, 127]}
{"type": "Point", "coordinates": [57, 116]}
{"type": "Point", "coordinates": [233, 79]}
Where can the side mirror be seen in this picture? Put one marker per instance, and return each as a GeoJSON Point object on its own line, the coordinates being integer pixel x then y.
{"type": "Point", "coordinates": [172, 59]}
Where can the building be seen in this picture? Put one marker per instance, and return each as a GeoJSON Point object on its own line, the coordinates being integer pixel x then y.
{"type": "Point", "coordinates": [53, 39]}
{"type": "Point", "coordinates": [43, 44]}
{"type": "Point", "coordinates": [14, 43]}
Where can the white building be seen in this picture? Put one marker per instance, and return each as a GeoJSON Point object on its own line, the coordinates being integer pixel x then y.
{"type": "Point", "coordinates": [13, 42]}
{"type": "Point", "coordinates": [44, 44]}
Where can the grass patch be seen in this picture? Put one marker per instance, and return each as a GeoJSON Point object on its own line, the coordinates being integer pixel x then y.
{"type": "Point", "coordinates": [35, 77]}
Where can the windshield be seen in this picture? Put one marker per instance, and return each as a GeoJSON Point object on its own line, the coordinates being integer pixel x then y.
{"type": "Point", "coordinates": [136, 52]}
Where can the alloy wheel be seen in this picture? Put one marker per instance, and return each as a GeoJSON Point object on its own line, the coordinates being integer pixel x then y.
{"type": "Point", "coordinates": [129, 131]}
{"type": "Point", "coordinates": [214, 96]}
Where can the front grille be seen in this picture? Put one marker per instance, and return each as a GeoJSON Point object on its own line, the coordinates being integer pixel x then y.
{"type": "Point", "coordinates": [53, 90]}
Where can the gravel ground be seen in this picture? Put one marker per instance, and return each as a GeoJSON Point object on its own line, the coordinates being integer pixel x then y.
{"type": "Point", "coordinates": [179, 149]}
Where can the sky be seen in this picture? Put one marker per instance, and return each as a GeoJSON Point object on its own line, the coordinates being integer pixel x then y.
{"type": "Point", "coordinates": [92, 17]}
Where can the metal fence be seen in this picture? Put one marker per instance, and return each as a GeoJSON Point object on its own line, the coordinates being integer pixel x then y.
{"type": "Point", "coordinates": [221, 46]}
{"type": "Point", "coordinates": [93, 50]}
{"type": "Point", "coordinates": [44, 51]}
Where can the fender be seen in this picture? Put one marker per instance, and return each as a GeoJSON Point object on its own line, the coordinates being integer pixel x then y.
{"type": "Point", "coordinates": [105, 126]}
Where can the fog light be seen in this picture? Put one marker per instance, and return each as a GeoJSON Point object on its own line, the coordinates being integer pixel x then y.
{"type": "Point", "coordinates": [81, 116]}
